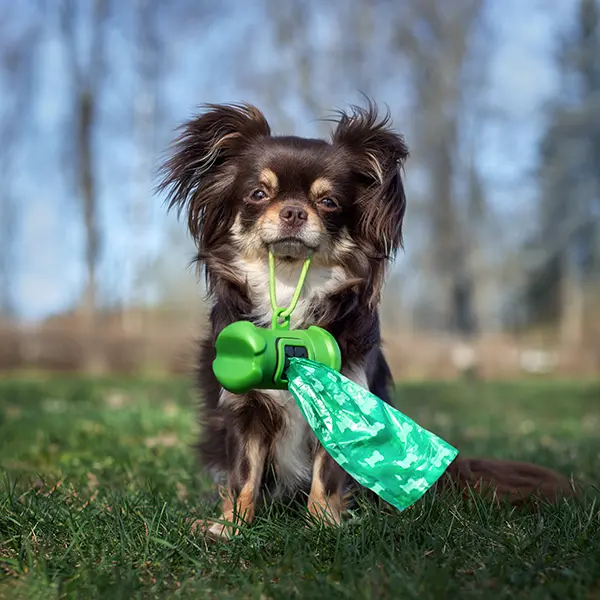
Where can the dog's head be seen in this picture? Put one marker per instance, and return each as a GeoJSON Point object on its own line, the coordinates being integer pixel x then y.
{"type": "Point", "coordinates": [243, 187]}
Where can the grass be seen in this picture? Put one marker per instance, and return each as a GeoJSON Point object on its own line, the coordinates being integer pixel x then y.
{"type": "Point", "coordinates": [99, 481]}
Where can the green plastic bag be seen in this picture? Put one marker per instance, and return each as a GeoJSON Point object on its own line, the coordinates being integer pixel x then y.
{"type": "Point", "coordinates": [376, 444]}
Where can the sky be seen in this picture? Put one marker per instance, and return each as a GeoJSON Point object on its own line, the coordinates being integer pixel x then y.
{"type": "Point", "coordinates": [50, 270]}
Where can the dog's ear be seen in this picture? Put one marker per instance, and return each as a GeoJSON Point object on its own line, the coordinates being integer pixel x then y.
{"type": "Point", "coordinates": [200, 173]}
{"type": "Point", "coordinates": [377, 154]}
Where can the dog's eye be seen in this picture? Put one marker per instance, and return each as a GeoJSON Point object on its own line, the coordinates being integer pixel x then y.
{"type": "Point", "coordinates": [258, 196]}
{"type": "Point", "coordinates": [329, 204]}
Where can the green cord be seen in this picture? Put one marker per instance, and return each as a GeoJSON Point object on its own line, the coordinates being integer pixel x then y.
{"type": "Point", "coordinates": [285, 313]}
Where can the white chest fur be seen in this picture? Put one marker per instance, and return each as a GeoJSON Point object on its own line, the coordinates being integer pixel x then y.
{"type": "Point", "coordinates": [319, 282]}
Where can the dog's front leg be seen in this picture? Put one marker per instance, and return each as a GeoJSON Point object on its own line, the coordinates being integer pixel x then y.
{"type": "Point", "coordinates": [239, 496]}
{"type": "Point", "coordinates": [326, 500]}
{"type": "Point", "coordinates": [252, 421]}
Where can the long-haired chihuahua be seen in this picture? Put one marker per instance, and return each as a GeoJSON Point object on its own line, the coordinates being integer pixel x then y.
{"type": "Point", "coordinates": [247, 192]}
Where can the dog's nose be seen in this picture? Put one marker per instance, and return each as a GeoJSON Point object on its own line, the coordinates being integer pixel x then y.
{"type": "Point", "coordinates": [293, 216]}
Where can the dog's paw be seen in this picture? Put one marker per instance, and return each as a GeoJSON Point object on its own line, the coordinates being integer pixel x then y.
{"type": "Point", "coordinates": [326, 516]}
{"type": "Point", "coordinates": [213, 530]}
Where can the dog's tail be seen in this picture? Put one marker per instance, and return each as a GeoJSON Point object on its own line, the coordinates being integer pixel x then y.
{"type": "Point", "coordinates": [515, 482]}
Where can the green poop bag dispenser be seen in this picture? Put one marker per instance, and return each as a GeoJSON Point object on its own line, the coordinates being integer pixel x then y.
{"type": "Point", "coordinates": [250, 357]}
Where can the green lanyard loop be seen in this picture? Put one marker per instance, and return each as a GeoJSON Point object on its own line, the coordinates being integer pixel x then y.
{"type": "Point", "coordinates": [281, 316]}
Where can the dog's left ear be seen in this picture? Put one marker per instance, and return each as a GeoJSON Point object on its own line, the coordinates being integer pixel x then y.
{"type": "Point", "coordinates": [199, 175]}
{"type": "Point", "coordinates": [377, 154]}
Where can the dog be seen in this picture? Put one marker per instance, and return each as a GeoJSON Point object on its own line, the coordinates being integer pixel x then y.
{"type": "Point", "coordinates": [246, 192]}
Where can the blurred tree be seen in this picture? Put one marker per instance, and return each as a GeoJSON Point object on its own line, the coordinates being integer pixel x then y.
{"type": "Point", "coordinates": [85, 65]}
{"type": "Point", "coordinates": [17, 69]}
{"type": "Point", "coordinates": [447, 61]}
{"type": "Point", "coordinates": [148, 61]}
{"type": "Point", "coordinates": [165, 280]}
{"type": "Point", "coordinates": [316, 64]}
{"type": "Point", "coordinates": [11, 71]}
{"type": "Point", "coordinates": [294, 72]}
{"type": "Point", "coordinates": [565, 256]}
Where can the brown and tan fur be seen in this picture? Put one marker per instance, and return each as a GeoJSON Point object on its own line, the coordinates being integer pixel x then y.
{"type": "Point", "coordinates": [246, 192]}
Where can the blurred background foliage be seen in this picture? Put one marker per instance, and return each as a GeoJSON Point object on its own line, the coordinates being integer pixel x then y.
{"type": "Point", "coordinates": [500, 104]}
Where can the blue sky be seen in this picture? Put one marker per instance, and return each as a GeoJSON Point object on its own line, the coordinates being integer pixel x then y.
{"type": "Point", "coordinates": [205, 66]}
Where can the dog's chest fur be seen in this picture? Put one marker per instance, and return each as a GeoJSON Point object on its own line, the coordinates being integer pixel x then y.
{"type": "Point", "coordinates": [320, 282]}
{"type": "Point", "coordinates": [292, 449]}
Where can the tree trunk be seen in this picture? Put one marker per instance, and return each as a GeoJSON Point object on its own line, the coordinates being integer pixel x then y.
{"type": "Point", "coordinates": [572, 310]}
{"type": "Point", "coordinates": [86, 80]}
{"type": "Point", "coordinates": [94, 355]}
{"type": "Point", "coordinates": [144, 121]}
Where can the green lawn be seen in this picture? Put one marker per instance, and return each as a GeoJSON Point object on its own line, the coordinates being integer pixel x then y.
{"type": "Point", "coordinates": [99, 481]}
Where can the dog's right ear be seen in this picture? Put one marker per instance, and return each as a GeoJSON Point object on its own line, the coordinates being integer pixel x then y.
{"type": "Point", "coordinates": [202, 168]}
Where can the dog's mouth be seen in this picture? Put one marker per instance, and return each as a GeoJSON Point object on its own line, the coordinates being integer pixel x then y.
{"type": "Point", "coordinates": [291, 248]}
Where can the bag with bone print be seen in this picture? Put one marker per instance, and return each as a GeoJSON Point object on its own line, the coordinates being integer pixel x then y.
{"type": "Point", "coordinates": [381, 448]}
